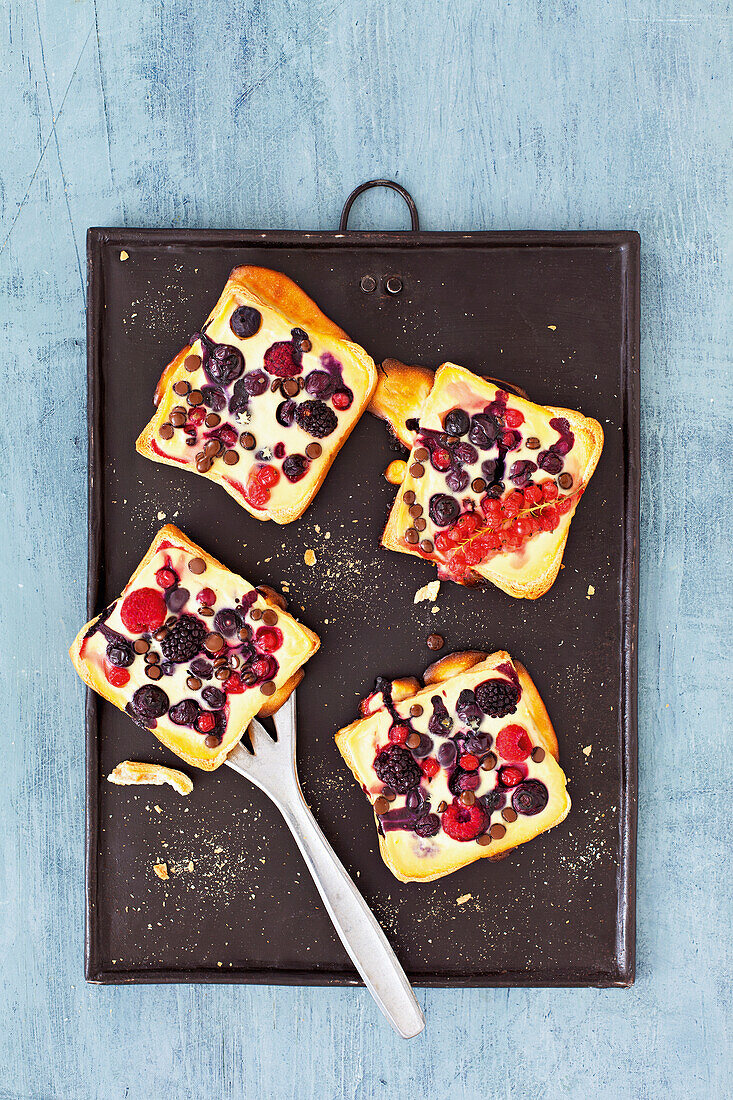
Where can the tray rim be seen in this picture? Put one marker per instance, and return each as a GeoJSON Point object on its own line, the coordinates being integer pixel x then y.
{"type": "Point", "coordinates": [628, 241]}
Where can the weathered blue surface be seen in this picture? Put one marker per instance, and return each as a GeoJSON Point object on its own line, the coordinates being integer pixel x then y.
{"type": "Point", "coordinates": [598, 114]}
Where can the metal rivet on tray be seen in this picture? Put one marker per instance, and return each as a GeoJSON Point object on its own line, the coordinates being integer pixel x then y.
{"type": "Point", "coordinates": [393, 285]}
{"type": "Point", "coordinates": [368, 283]}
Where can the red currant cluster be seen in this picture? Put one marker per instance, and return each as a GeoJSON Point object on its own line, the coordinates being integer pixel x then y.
{"type": "Point", "coordinates": [261, 479]}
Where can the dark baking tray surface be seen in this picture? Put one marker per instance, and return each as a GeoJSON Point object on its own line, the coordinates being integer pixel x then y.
{"type": "Point", "coordinates": [556, 313]}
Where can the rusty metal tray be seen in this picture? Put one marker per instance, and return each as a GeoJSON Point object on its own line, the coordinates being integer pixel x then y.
{"type": "Point", "coordinates": [556, 313]}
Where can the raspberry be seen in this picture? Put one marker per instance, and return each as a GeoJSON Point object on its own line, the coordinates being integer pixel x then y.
{"type": "Point", "coordinates": [228, 436]}
{"type": "Point", "coordinates": [509, 777]}
{"type": "Point", "coordinates": [397, 769]}
{"type": "Point", "coordinates": [117, 677]}
{"type": "Point", "coordinates": [316, 418]}
{"type": "Point", "coordinates": [513, 743]}
{"type": "Point", "coordinates": [233, 684]}
{"type": "Point", "coordinates": [205, 722]}
{"type": "Point", "coordinates": [513, 418]}
{"type": "Point", "coordinates": [184, 640]}
{"type": "Point", "coordinates": [429, 767]}
{"type": "Point", "coordinates": [468, 761]}
{"type": "Point", "coordinates": [268, 476]}
{"type": "Point", "coordinates": [497, 698]}
{"type": "Point", "coordinates": [342, 399]}
{"type": "Point", "coordinates": [144, 609]}
{"type": "Point", "coordinates": [279, 360]}
{"type": "Point", "coordinates": [165, 578]}
{"type": "Point", "coordinates": [399, 734]}
{"type": "Point", "coordinates": [464, 822]}
{"type": "Point", "coordinates": [269, 638]}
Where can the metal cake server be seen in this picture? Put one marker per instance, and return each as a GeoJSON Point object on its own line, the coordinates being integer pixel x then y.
{"type": "Point", "coordinates": [272, 768]}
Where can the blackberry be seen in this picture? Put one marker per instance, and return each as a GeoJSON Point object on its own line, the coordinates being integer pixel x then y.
{"type": "Point", "coordinates": [316, 418]}
{"type": "Point", "coordinates": [397, 769]}
{"type": "Point", "coordinates": [184, 640]}
{"type": "Point", "coordinates": [497, 698]}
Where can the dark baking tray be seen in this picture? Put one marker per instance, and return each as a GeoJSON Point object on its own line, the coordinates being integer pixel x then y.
{"type": "Point", "coordinates": [556, 313]}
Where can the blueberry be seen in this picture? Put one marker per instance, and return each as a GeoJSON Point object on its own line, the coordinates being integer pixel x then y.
{"type": "Point", "coordinates": [294, 467]}
{"type": "Point", "coordinates": [176, 599]}
{"type": "Point", "coordinates": [465, 453]}
{"type": "Point", "coordinates": [443, 509]}
{"type": "Point", "coordinates": [184, 713]}
{"type": "Point", "coordinates": [224, 365]}
{"type": "Point", "coordinates": [319, 384]}
{"type": "Point", "coordinates": [549, 462]}
{"type": "Point", "coordinates": [285, 413]}
{"type": "Point", "coordinates": [202, 668]}
{"type": "Point", "coordinates": [427, 825]}
{"type": "Point", "coordinates": [213, 398]}
{"type": "Point", "coordinates": [255, 382]}
{"type": "Point", "coordinates": [440, 722]}
{"type": "Point", "coordinates": [530, 797]}
{"type": "Point", "coordinates": [446, 754]}
{"type": "Point", "coordinates": [457, 480]}
{"type": "Point", "coordinates": [225, 622]}
{"type": "Point", "coordinates": [521, 472]}
{"type": "Point", "coordinates": [119, 655]}
{"type": "Point", "coordinates": [424, 748]}
{"type": "Point", "coordinates": [214, 697]}
{"type": "Point", "coordinates": [483, 431]}
{"type": "Point", "coordinates": [245, 322]}
{"type": "Point", "coordinates": [468, 709]}
{"type": "Point", "coordinates": [240, 397]}
{"type": "Point", "coordinates": [488, 468]}
{"type": "Point", "coordinates": [150, 701]}
{"type": "Point", "coordinates": [494, 800]}
{"type": "Point", "coordinates": [457, 422]}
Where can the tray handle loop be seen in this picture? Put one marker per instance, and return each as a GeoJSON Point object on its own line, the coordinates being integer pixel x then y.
{"type": "Point", "coordinates": [343, 224]}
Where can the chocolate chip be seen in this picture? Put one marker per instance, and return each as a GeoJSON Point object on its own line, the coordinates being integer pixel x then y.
{"type": "Point", "coordinates": [381, 805]}
{"type": "Point", "coordinates": [178, 418]}
{"type": "Point", "coordinates": [222, 673]}
{"type": "Point", "coordinates": [411, 536]}
{"type": "Point", "coordinates": [389, 794]}
{"type": "Point", "coordinates": [415, 710]}
{"type": "Point", "coordinates": [152, 658]}
{"type": "Point", "coordinates": [478, 485]}
{"type": "Point", "coordinates": [192, 362]}
{"type": "Point", "coordinates": [160, 634]}
{"type": "Point", "coordinates": [497, 830]}
{"type": "Point", "coordinates": [234, 661]}
{"type": "Point", "coordinates": [409, 497]}
{"type": "Point", "coordinates": [255, 614]}
{"type": "Point", "coordinates": [248, 441]}
{"type": "Point", "coordinates": [203, 465]}
{"type": "Point", "coordinates": [166, 431]}
{"type": "Point", "coordinates": [416, 470]}
{"type": "Point", "coordinates": [213, 642]}
{"type": "Point", "coordinates": [269, 618]}
{"type": "Point", "coordinates": [153, 672]}
{"type": "Point", "coordinates": [488, 763]}
{"type": "Point", "coordinates": [140, 645]}
{"type": "Point", "coordinates": [532, 443]}
{"type": "Point", "coordinates": [467, 798]}
{"type": "Point", "coordinates": [231, 458]}
{"type": "Point", "coordinates": [207, 612]}
{"type": "Point", "coordinates": [565, 480]}
{"type": "Point", "coordinates": [211, 741]}
{"type": "Point", "coordinates": [212, 448]}
{"type": "Point", "coordinates": [509, 814]}
{"type": "Point", "coordinates": [191, 440]}
{"type": "Point", "coordinates": [275, 384]}
{"type": "Point", "coordinates": [247, 677]}
{"type": "Point", "coordinates": [244, 634]}
{"type": "Point", "coordinates": [197, 566]}
{"type": "Point", "coordinates": [436, 641]}
{"type": "Point", "coordinates": [268, 688]}
{"type": "Point", "coordinates": [420, 524]}
{"type": "Point", "coordinates": [195, 397]}
{"type": "Point", "coordinates": [182, 388]}
{"type": "Point", "coordinates": [484, 840]}
{"type": "Point", "coordinates": [290, 387]}
{"type": "Point", "coordinates": [313, 450]}
{"type": "Point", "coordinates": [538, 754]}
{"type": "Point", "coordinates": [212, 420]}
{"type": "Point", "coordinates": [426, 546]}
{"type": "Point", "coordinates": [219, 662]}
{"type": "Point", "coordinates": [305, 345]}
{"type": "Point", "coordinates": [442, 807]}
{"type": "Point", "coordinates": [413, 741]}
{"type": "Point", "coordinates": [416, 509]}
{"type": "Point", "coordinates": [193, 683]}
{"type": "Point", "coordinates": [421, 454]}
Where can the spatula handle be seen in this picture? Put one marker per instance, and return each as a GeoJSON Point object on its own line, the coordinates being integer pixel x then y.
{"type": "Point", "coordinates": [357, 927]}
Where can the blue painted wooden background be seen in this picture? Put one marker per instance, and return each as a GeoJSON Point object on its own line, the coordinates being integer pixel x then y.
{"type": "Point", "coordinates": [509, 114]}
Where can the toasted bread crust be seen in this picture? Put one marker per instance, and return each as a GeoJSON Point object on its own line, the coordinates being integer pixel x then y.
{"type": "Point", "coordinates": [277, 292]}
{"type": "Point", "coordinates": [114, 695]}
{"type": "Point", "coordinates": [400, 393]}
{"type": "Point", "coordinates": [406, 868]}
